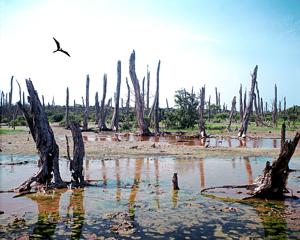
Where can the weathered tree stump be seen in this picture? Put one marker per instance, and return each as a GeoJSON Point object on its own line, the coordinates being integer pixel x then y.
{"type": "Point", "coordinates": [45, 143]}
{"type": "Point", "coordinates": [76, 164]}
{"type": "Point", "coordinates": [175, 182]}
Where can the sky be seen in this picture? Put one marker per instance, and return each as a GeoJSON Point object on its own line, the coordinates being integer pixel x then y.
{"type": "Point", "coordinates": [212, 43]}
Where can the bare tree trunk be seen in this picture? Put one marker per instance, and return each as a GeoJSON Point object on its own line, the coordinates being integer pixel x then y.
{"type": "Point", "coordinates": [97, 109]}
{"type": "Point", "coordinates": [241, 103]}
{"type": "Point", "coordinates": [232, 112]}
{"type": "Point", "coordinates": [202, 133]}
{"type": "Point", "coordinates": [266, 108]}
{"type": "Point", "coordinates": [45, 143]}
{"type": "Point", "coordinates": [10, 110]}
{"type": "Point", "coordinates": [144, 130]}
{"type": "Point", "coordinates": [262, 107]}
{"type": "Point", "coordinates": [115, 118]}
{"type": "Point", "coordinates": [209, 109]}
{"type": "Point", "coordinates": [282, 136]}
{"type": "Point", "coordinates": [217, 101]}
{"type": "Point", "coordinates": [67, 109]}
{"type": "Point", "coordinates": [143, 93]}
{"type": "Point", "coordinates": [148, 87]}
{"type": "Point", "coordinates": [76, 165]}
{"type": "Point", "coordinates": [245, 100]}
{"type": "Point", "coordinates": [74, 106]}
{"type": "Point", "coordinates": [156, 108]}
{"type": "Point", "coordinates": [258, 101]}
{"type": "Point", "coordinates": [247, 112]}
{"type": "Point", "coordinates": [272, 184]}
{"type": "Point", "coordinates": [24, 99]}
{"type": "Point", "coordinates": [106, 110]}
{"type": "Point", "coordinates": [284, 107]}
{"type": "Point", "coordinates": [2, 106]}
{"type": "Point", "coordinates": [128, 101]}
{"type": "Point", "coordinates": [167, 103]}
{"type": "Point", "coordinates": [43, 99]}
{"type": "Point", "coordinates": [102, 124]}
{"type": "Point", "coordinates": [279, 107]}
{"type": "Point", "coordinates": [83, 104]}
{"type": "Point", "coordinates": [20, 91]}
{"type": "Point", "coordinates": [274, 115]}
{"type": "Point", "coordinates": [87, 105]}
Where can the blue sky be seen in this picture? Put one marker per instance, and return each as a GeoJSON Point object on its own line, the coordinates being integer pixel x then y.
{"type": "Point", "coordinates": [216, 43]}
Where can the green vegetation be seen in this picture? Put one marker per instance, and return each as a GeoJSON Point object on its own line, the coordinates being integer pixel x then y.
{"type": "Point", "coordinates": [10, 131]}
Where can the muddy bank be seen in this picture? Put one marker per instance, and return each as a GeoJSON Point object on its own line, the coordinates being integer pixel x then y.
{"type": "Point", "coordinates": [109, 145]}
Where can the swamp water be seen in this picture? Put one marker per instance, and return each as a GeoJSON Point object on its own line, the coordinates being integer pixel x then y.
{"type": "Point", "coordinates": [134, 199]}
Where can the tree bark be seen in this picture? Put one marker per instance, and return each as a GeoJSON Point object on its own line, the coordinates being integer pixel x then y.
{"type": "Point", "coordinates": [87, 105]}
{"type": "Point", "coordinates": [10, 110]}
{"type": "Point", "coordinates": [167, 104]}
{"type": "Point", "coordinates": [115, 117]}
{"type": "Point", "coordinates": [202, 133]}
{"type": "Point", "coordinates": [143, 93]}
{"type": "Point", "coordinates": [232, 112]}
{"type": "Point", "coordinates": [258, 100]}
{"type": "Point", "coordinates": [282, 136]}
{"type": "Point", "coordinates": [45, 143]}
{"type": "Point", "coordinates": [209, 109]}
{"type": "Point", "coordinates": [76, 164]}
{"type": "Point", "coordinates": [143, 127]}
{"type": "Point", "coordinates": [241, 103]}
{"type": "Point", "coordinates": [245, 100]}
{"type": "Point", "coordinates": [274, 115]}
{"type": "Point", "coordinates": [102, 124]}
{"type": "Point", "coordinates": [43, 99]}
{"type": "Point", "coordinates": [67, 109]}
{"type": "Point", "coordinates": [284, 107]}
{"type": "Point", "coordinates": [156, 108]}
{"type": "Point", "coordinates": [247, 112]}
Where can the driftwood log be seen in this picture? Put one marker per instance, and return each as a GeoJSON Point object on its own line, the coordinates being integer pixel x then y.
{"type": "Point", "coordinates": [45, 143]}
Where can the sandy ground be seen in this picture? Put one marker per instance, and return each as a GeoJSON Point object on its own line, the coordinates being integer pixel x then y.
{"type": "Point", "coordinates": [22, 143]}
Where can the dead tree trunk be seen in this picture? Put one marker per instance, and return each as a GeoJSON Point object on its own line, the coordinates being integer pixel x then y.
{"type": "Point", "coordinates": [167, 104]}
{"type": "Point", "coordinates": [217, 101]}
{"type": "Point", "coordinates": [245, 100]}
{"type": "Point", "coordinates": [274, 115]}
{"type": "Point", "coordinates": [258, 100]}
{"type": "Point", "coordinates": [156, 108]}
{"type": "Point", "coordinates": [10, 110]}
{"type": "Point", "coordinates": [127, 102]}
{"type": "Point", "coordinates": [45, 143]}
{"type": "Point", "coordinates": [67, 109]}
{"type": "Point", "coordinates": [23, 98]}
{"type": "Point", "coordinates": [272, 184]}
{"type": "Point", "coordinates": [262, 107]}
{"type": "Point", "coordinates": [102, 124]}
{"type": "Point", "coordinates": [241, 103]}
{"type": "Point", "coordinates": [97, 109]}
{"type": "Point", "coordinates": [106, 110]}
{"type": "Point", "coordinates": [43, 99]}
{"type": "Point", "coordinates": [209, 109]}
{"type": "Point", "coordinates": [20, 91]}
{"type": "Point", "coordinates": [143, 126]}
{"type": "Point", "coordinates": [76, 165]}
{"type": "Point", "coordinates": [282, 136]}
{"type": "Point", "coordinates": [247, 112]}
{"type": "Point", "coordinates": [143, 93]}
{"type": "Point", "coordinates": [115, 118]}
{"type": "Point", "coordinates": [87, 105]}
{"type": "Point", "coordinates": [202, 133]}
{"type": "Point", "coordinates": [232, 112]}
{"type": "Point", "coordinates": [148, 88]}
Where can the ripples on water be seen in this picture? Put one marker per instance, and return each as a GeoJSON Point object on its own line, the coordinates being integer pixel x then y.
{"type": "Point", "coordinates": [139, 191]}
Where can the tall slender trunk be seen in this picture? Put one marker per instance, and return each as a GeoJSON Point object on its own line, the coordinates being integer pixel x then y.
{"type": "Point", "coordinates": [148, 87]}
{"type": "Point", "coordinates": [87, 104]}
{"type": "Point", "coordinates": [241, 103]}
{"type": "Point", "coordinates": [143, 127]}
{"type": "Point", "coordinates": [115, 117]}
{"type": "Point", "coordinates": [128, 101]}
{"type": "Point", "coordinates": [274, 115]}
{"type": "Point", "coordinates": [156, 108]}
{"type": "Point", "coordinates": [102, 124]}
{"type": "Point", "coordinates": [202, 133]}
{"type": "Point", "coordinates": [247, 112]}
{"type": "Point", "coordinates": [97, 108]}
{"type": "Point", "coordinates": [67, 109]}
{"type": "Point", "coordinates": [232, 112]}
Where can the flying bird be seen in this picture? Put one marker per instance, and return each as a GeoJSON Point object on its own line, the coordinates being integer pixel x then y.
{"type": "Point", "coordinates": [59, 48]}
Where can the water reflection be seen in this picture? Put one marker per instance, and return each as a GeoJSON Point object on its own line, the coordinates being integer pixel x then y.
{"type": "Point", "coordinates": [248, 170]}
{"type": "Point", "coordinates": [202, 174]}
{"type": "Point", "coordinates": [118, 189]}
{"type": "Point", "coordinates": [104, 178]}
{"type": "Point", "coordinates": [174, 198]}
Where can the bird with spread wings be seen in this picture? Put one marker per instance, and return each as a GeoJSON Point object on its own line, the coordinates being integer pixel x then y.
{"type": "Point", "coordinates": [59, 48]}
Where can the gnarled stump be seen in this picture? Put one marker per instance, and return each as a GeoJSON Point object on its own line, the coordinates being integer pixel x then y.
{"type": "Point", "coordinates": [45, 143]}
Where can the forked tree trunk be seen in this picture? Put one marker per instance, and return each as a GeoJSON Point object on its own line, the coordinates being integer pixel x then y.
{"type": "Point", "coordinates": [115, 117]}
{"type": "Point", "coordinates": [202, 133]}
{"type": "Point", "coordinates": [272, 184]}
{"type": "Point", "coordinates": [232, 112]}
{"type": "Point", "coordinates": [67, 110]}
{"type": "Point", "coordinates": [76, 164]}
{"type": "Point", "coordinates": [45, 143]}
{"type": "Point", "coordinates": [143, 127]}
{"type": "Point", "coordinates": [102, 124]}
{"type": "Point", "coordinates": [241, 103]}
{"type": "Point", "coordinates": [247, 112]}
{"type": "Point", "coordinates": [87, 105]}
{"type": "Point", "coordinates": [97, 109]}
{"type": "Point", "coordinates": [156, 107]}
